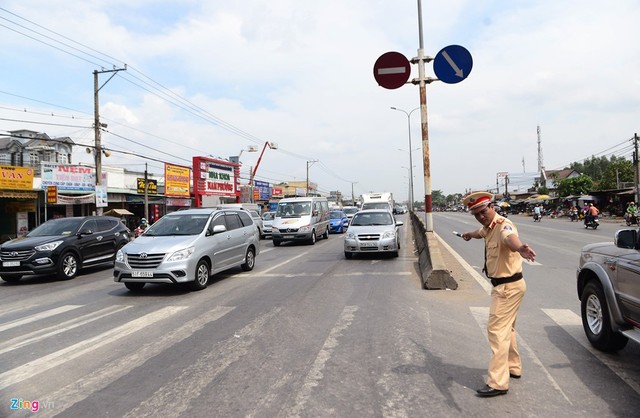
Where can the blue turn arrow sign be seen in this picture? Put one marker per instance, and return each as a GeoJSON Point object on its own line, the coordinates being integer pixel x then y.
{"type": "Point", "coordinates": [452, 64]}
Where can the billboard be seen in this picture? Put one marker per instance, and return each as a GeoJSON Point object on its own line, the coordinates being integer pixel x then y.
{"type": "Point", "coordinates": [177, 180]}
{"type": "Point", "coordinates": [213, 177]}
{"type": "Point", "coordinates": [16, 178]}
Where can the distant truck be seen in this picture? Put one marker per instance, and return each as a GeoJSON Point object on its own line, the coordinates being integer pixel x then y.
{"type": "Point", "coordinates": [377, 201]}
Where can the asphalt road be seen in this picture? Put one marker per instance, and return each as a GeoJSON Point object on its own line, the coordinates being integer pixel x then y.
{"type": "Point", "coordinates": [310, 334]}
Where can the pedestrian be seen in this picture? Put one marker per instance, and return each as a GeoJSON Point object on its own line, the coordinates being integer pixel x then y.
{"type": "Point", "coordinates": [503, 265]}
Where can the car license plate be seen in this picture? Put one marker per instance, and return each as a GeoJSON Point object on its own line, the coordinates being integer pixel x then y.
{"type": "Point", "coordinates": [288, 236]}
{"type": "Point", "coordinates": [10, 263]}
{"type": "Point", "coordinates": [141, 274]}
{"type": "Point", "coordinates": [369, 244]}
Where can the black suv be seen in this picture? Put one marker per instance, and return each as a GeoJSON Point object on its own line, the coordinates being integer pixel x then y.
{"type": "Point", "coordinates": [63, 246]}
{"type": "Point", "coordinates": [609, 291]}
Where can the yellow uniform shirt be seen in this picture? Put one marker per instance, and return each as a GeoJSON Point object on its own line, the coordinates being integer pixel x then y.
{"type": "Point", "coordinates": [501, 262]}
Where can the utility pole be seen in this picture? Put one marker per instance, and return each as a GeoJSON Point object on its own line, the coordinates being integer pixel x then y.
{"type": "Point", "coordinates": [540, 162]}
{"type": "Point", "coordinates": [353, 200]}
{"type": "Point", "coordinates": [97, 125]}
{"type": "Point", "coordinates": [312, 161]}
{"type": "Point", "coordinates": [636, 165]}
{"type": "Point", "coordinates": [146, 193]}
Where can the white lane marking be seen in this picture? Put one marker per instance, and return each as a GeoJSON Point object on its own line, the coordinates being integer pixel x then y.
{"type": "Point", "coordinates": [572, 324]}
{"type": "Point", "coordinates": [74, 351]}
{"type": "Point", "coordinates": [194, 379]}
{"type": "Point", "coordinates": [315, 374]}
{"type": "Point", "coordinates": [100, 378]}
{"type": "Point", "coordinates": [41, 334]}
{"type": "Point", "coordinates": [481, 315]}
{"type": "Point", "coordinates": [484, 283]}
{"type": "Point", "coordinates": [38, 316]}
{"type": "Point", "coordinates": [285, 262]}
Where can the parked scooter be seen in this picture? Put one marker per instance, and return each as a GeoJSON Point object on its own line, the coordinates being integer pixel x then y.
{"type": "Point", "coordinates": [591, 222]}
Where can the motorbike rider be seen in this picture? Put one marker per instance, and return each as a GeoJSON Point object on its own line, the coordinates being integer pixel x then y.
{"type": "Point", "coordinates": [630, 214]}
{"type": "Point", "coordinates": [573, 213]}
{"type": "Point", "coordinates": [142, 227]}
{"type": "Point", "coordinates": [537, 212]}
{"type": "Point", "coordinates": [592, 214]}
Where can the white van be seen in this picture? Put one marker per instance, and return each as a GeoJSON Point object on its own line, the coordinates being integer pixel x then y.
{"type": "Point", "coordinates": [301, 219]}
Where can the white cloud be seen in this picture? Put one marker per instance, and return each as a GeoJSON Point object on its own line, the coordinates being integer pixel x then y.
{"type": "Point", "coordinates": [300, 74]}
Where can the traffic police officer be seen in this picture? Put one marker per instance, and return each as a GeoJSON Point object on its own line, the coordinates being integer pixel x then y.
{"type": "Point", "coordinates": [503, 265]}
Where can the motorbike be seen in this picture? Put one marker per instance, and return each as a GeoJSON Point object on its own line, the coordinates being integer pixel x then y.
{"type": "Point", "coordinates": [573, 216]}
{"type": "Point", "coordinates": [631, 218]}
{"type": "Point", "coordinates": [591, 222]}
{"type": "Point", "coordinates": [536, 217]}
{"type": "Point", "coordinates": [138, 231]}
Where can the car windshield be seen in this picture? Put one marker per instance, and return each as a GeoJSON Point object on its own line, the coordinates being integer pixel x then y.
{"type": "Point", "coordinates": [178, 225]}
{"type": "Point", "coordinates": [268, 216]}
{"type": "Point", "coordinates": [293, 209]}
{"type": "Point", "coordinates": [349, 211]}
{"type": "Point", "coordinates": [336, 215]}
{"type": "Point", "coordinates": [368, 219]}
{"type": "Point", "coordinates": [62, 226]}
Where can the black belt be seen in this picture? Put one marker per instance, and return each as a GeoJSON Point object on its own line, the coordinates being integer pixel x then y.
{"type": "Point", "coordinates": [498, 282]}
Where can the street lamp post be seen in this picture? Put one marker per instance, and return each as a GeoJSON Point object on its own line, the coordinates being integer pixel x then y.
{"type": "Point", "coordinates": [411, 199]}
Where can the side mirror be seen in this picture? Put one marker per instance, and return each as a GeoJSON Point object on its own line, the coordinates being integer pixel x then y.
{"type": "Point", "coordinates": [84, 231]}
{"type": "Point", "coordinates": [626, 238]}
{"type": "Point", "coordinates": [315, 212]}
{"type": "Point", "coordinates": [218, 229]}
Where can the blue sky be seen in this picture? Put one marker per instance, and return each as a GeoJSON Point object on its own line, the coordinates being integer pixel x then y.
{"type": "Point", "coordinates": [214, 77]}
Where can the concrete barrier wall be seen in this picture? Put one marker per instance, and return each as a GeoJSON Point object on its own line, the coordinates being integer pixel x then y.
{"type": "Point", "coordinates": [432, 268]}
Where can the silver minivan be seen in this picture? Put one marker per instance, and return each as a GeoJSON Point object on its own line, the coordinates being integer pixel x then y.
{"type": "Point", "coordinates": [300, 219]}
{"type": "Point", "coordinates": [189, 246]}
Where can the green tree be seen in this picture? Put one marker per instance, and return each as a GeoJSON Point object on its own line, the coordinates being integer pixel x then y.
{"type": "Point", "coordinates": [438, 199]}
{"type": "Point", "coordinates": [575, 186]}
{"type": "Point", "coordinates": [616, 172]}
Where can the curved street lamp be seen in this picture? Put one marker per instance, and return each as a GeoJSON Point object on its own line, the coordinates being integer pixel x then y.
{"type": "Point", "coordinates": [410, 156]}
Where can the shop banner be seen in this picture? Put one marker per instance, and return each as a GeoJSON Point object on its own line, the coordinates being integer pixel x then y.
{"type": "Point", "coordinates": [68, 177]}
{"type": "Point", "coordinates": [101, 196]}
{"type": "Point", "coordinates": [263, 188]}
{"type": "Point", "coordinates": [16, 178]}
{"type": "Point", "coordinates": [177, 180]}
{"type": "Point", "coordinates": [52, 194]}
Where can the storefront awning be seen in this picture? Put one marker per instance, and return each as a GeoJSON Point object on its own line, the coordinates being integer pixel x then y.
{"type": "Point", "coordinates": [117, 212]}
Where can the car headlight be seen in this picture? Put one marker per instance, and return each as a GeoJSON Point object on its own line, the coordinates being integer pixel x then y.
{"type": "Point", "coordinates": [49, 246]}
{"type": "Point", "coordinates": [350, 235]}
{"type": "Point", "coordinates": [305, 228]}
{"type": "Point", "coordinates": [182, 254]}
{"type": "Point", "coordinates": [120, 256]}
{"type": "Point", "coordinates": [389, 234]}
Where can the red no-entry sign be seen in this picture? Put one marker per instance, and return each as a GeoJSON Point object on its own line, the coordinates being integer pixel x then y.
{"type": "Point", "coordinates": [391, 70]}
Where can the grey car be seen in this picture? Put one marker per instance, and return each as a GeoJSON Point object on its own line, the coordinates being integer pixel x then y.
{"type": "Point", "coordinates": [187, 247]}
{"type": "Point", "coordinates": [372, 231]}
{"type": "Point", "coordinates": [608, 281]}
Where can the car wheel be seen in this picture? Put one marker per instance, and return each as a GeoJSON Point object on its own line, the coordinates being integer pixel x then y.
{"type": "Point", "coordinates": [312, 240]}
{"type": "Point", "coordinates": [326, 233]}
{"type": "Point", "coordinates": [134, 286]}
{"type": "Point", "coordinates": [276, 242]}
{"type": "Point", "coordinates": [348, 255]}
{"type": "Point", "coordinates": [250, 260]}
{"type": "Point", "coordinates": [67, 266]}
{"type": "Point", "coordinates": [11, 278]}
{"type": "Point", "coordinates": [596, 320]}
{"type": "Point", "coordinates": [202, 276]}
